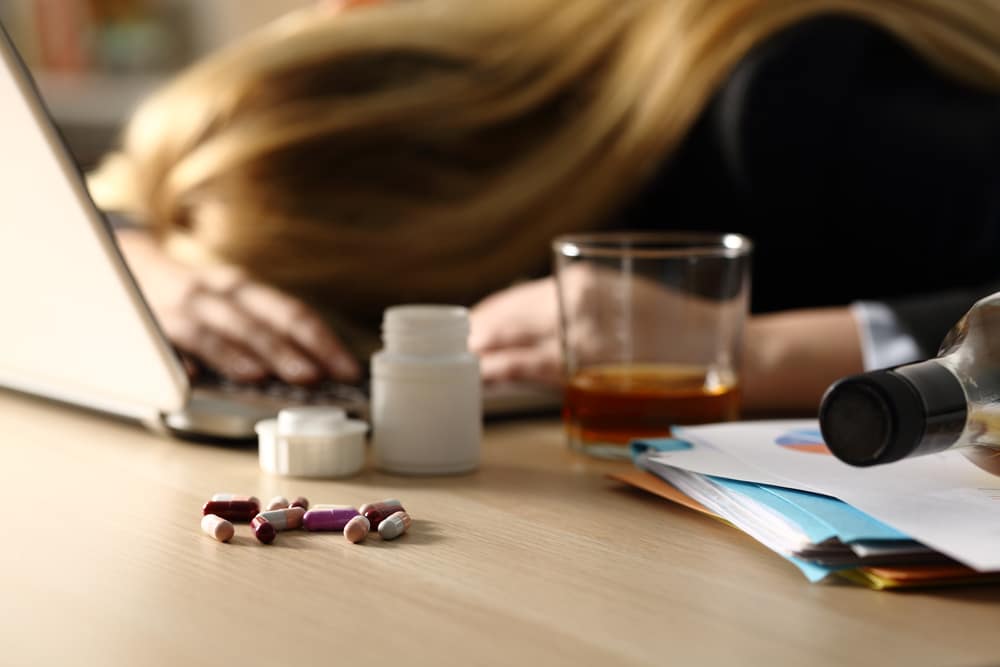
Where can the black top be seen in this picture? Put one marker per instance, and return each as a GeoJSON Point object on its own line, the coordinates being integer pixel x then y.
{"type": "Point", "coordinates": [859, 171]}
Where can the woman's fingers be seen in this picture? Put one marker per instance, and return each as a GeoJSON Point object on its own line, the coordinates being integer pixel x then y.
{"type": "Point", "coordinates": [221, 314]}
{"type": "Point", "coordinates": [213, 349]}
{"type": "Point", "coordinates": [515, 317]}
{"type": "Point", "coordinates": [242, 329]}
{"type": "Point", "coordinates": [537, 363]}
{"type": "Point", "coordinates": [515, 332]}
{"type": "Point", "coordinates": [297, 322]}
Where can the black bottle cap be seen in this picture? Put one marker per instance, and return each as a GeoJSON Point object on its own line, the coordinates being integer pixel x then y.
{"type": "Point", "coordinates": [884, 416]}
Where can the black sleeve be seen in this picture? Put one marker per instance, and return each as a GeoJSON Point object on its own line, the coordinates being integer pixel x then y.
{"type": "Point", "coordinates": [847, 147]}
{"type": "Point", "coordinates": [929, 317]}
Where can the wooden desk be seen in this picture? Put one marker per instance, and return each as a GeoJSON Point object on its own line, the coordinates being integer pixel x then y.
{"type": "Point", "coordinates": [534, 560]}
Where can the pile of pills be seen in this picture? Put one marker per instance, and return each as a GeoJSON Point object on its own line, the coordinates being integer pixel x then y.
{"type": "Point", "coordinates": [224, 509]}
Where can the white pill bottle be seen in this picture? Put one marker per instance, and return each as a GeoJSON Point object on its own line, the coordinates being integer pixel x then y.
{"type": "Point", "coordinates": [426, 405]}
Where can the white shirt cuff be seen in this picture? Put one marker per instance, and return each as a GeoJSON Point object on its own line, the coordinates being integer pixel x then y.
{"type": "Point", "coordinates": [884, 341]}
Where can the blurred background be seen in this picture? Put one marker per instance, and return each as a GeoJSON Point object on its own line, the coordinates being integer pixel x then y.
{"type": "Point", "coordinates": [94, 60]}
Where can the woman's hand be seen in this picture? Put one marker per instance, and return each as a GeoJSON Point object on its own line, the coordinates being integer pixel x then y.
{"type": "Point", "coordinates": [240, 328]}
{"type": "Point", "coordinates": [516, 330]}
{"type": "Point", "coordinates": [516, 334]}
{"type": "Point", "coordinates": [789, 358]}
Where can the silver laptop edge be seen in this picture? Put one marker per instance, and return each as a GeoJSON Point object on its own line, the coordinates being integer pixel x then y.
{"type": "Point", "coordinates": [43, 194]}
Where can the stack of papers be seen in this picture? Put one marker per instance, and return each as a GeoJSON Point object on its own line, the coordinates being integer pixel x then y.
{"type": "Point", "coordinates": [920, 522]}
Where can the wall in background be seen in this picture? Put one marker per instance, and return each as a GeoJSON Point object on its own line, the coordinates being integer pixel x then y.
{"type": "Point", "coordinates": [95, 60]}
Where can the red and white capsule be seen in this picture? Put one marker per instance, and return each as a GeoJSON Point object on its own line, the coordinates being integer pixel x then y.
{"type": "Point", "coordinates": [234, 496]}
{"type": "Point", "coordinates": [377, 512]}
{"type": "Point", "coordinates": [232, 507]}
{"type": "Point", "coordinates": [289, 518]}
{"type": "Point", "coordinates": [263, 530]}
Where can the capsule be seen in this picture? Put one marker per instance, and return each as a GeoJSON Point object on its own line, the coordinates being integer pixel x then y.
{"type": "Point", "coordinates": [300, 502]}
{"type": "Point", "coordinates": [263, 530]}
{"type": "Point", "coordinates": [277, 503]}
{"type": "Point", "coordinates": [285, 519]}
{"type": "Point", "coordinates": [377, 512]}
{"type": "Point", "coordinates": [217, 527]}
{"type": "Point", "coordinates": [357, 529]}
{"type": "Point", "coordinates": [334, 518]}
{"type": "Point", "coordinates": [234, 496]}
{"type": "Point", "coordinates": [232, 508]}
{"type": "Point", "coordinates": [394, 525]}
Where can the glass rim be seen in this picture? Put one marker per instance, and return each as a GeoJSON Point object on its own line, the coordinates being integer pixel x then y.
{"type": "Point", "coordinates": [652, 245]}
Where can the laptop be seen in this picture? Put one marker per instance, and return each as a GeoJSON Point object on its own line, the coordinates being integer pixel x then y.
{"type": "Point", "coordinates": [75, 327]}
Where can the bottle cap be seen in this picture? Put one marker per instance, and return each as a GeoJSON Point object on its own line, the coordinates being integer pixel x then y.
{"type": "Point", "coordinates": [427, 331]}
{"type": "Point", "coordinates": [424, 317]}
{"type": "Point", "coordinates": [310, 420]}
{"type": "Point", "coordinates": [887, 415]}
{"type": "Point", "coordinates": [312, 442]}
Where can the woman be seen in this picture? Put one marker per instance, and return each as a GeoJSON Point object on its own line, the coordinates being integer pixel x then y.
{"type": "Point", "coordinates": [428, 150]}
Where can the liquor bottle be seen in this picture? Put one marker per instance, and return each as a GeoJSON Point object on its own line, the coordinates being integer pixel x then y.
{"type": "Point", "coordinates": [950, 401]}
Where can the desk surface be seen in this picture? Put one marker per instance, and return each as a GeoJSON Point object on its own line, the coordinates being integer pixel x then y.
{"type": "Point", "coordinates": [535, 559]}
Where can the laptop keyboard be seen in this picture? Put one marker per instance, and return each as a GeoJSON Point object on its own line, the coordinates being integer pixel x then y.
{"type": "Point", "coordinates": [274, 394]}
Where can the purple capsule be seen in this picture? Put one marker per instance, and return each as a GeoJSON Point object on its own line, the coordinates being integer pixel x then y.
{"type": "Point", "coordinates": [334, 518]}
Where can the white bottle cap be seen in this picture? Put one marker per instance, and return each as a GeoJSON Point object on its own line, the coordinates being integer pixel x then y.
{"type": "Point", "coordinates": [311, 420]}
{"type": "Point", "coordinates": [312, 442]}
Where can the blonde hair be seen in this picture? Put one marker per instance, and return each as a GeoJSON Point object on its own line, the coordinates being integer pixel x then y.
{"type": "Point", "coordinates": [429, 149]}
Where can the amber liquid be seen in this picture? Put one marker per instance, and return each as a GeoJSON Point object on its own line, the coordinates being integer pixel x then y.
{"type": "Point", "coordinates": [608, 406]}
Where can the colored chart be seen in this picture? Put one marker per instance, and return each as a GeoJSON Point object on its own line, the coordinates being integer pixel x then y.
{"type": "Point", "coordinates": [808, 440]}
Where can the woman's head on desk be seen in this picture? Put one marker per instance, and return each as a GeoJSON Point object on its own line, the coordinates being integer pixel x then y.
{"type": "Point", "coordinates": [438, 136]}
{"type": "Point", "coordinates": [428, 150]}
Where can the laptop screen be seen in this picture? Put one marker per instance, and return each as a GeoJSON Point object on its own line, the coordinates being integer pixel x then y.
{"type": "Point", "coordinates": [75, 326]}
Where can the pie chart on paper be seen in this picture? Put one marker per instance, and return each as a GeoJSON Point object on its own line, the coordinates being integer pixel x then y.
{"type": "Point", "coordinates": [808, 440]}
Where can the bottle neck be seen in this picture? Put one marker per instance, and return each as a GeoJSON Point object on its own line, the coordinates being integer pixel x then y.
{"type": "Point", "coordinates": [945, 404]}
{"type": "Point", "coordinates": [430, 345]}
{"type": "Point", "coordinates": [426, 331]}
{"type": "Point", "coordinates": [887, 415]}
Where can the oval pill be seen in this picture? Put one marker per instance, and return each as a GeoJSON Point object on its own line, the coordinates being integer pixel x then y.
{"type": "Point", "coordinates": [234, 496]}
{"type": "Point", "coordinates": [263, 530]}
{"type": "Point", "coordinates": [238, 509]}
{"type": "Point", "coordinates": [378, 511]}
{"type": "Point", "coordinates": [394, 525]}
{"type": "Point", "coordinates": [277, 503]}
{"type": "Point", "coordinates": [285, 519]}
{"type": "Point", "coordinates": [357, 529]}
{"type": "Point", "coordinates": [300, 502]}
{"type": "Point", "coordinates": [334, 518]}
{"type": "Point", "coordinates": [217, 527]}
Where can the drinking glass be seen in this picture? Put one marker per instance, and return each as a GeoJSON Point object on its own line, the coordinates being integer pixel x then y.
{"type": "Point", "coordinates": [651, 329]}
